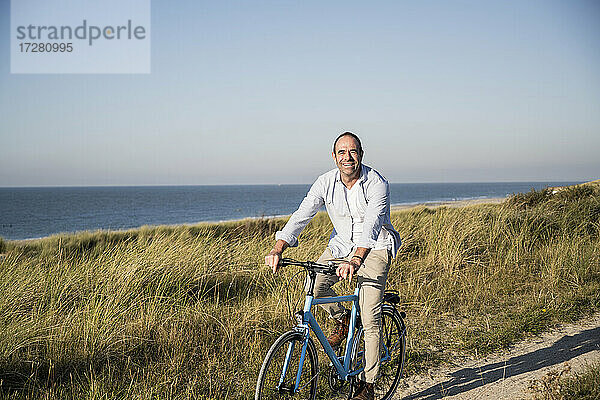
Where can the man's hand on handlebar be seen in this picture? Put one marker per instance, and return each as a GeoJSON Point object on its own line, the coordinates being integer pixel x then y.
{"type": "Point", "coordinates": [272, 259]}
{"type": "Point", "coordinates": [347, 269]}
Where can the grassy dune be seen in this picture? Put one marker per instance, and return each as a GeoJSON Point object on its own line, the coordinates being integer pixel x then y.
{"type": "Point", "coordinates": [582, 385]}
{"type": "Point", "coordinates": [190, 311]}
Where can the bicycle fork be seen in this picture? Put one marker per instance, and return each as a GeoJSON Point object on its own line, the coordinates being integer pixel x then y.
{"type": "Point", "coordinates": [293, 386]}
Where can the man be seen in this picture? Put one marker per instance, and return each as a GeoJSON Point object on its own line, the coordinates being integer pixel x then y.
{"type": "Point", "coordinates": [357, 199]}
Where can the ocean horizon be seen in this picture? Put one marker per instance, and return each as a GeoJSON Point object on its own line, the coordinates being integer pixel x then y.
{"type": "Point", "coordinates": [36, 212]}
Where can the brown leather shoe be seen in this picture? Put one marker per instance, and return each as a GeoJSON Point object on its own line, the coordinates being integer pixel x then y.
{"type": "Point", "coordinates": [340, 332]}
{"type": "Point", "coordinates": [364, 391]}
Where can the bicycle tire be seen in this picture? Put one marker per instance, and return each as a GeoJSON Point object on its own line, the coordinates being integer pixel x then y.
{"type": "Point", "coordinates": [272, 366]}
{"type": "Point", "coordinates": [393, 353]}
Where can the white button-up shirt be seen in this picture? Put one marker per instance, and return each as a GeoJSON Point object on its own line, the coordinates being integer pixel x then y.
{"type": "Point", "coordinates": [373, 208]}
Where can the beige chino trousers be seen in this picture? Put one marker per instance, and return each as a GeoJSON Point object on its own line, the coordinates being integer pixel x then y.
{"type": "Point", "coordinates": [371, 279]}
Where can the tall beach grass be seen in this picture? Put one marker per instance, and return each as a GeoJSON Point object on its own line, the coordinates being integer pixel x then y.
{"type": "Point", "coordinates": [564, 385]}
{"type": "Point", "coordinates": [188, 312]}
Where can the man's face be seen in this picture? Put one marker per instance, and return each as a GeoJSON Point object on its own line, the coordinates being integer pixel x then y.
{"type": "Point", "coordinates": [348, 156]}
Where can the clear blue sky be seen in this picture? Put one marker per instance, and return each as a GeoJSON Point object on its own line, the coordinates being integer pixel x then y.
{"type": "Point", "coordinates": [255, 92]}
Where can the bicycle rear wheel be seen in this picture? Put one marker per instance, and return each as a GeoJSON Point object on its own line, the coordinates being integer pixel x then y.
{"type": "Point", "coordinates": [392, 353]}
{"type": "Point", "coordinates": [275, 383]}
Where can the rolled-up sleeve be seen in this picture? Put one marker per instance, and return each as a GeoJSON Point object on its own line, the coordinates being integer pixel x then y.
{"type": "Point", "coordinates": [310, 205]}
{"type": "Point", "coordinates": [375, 214]}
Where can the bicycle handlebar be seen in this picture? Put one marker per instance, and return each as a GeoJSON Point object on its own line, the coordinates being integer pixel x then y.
{"type": "Point", "coordinates": [327, 269]}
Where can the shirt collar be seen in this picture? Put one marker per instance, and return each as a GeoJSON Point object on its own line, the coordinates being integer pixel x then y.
{"type": "Point", "coordinates": [361, 178]}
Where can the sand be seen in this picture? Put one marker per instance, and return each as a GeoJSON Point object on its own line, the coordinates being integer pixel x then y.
{"type": "Point", "coordinates": [509, 374]}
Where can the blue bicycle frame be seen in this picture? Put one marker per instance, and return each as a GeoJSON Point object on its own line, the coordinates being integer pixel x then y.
{"type": "Point", "coordinates": [309, 322]}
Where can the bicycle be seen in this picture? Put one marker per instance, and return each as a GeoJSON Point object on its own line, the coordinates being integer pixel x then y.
{"type": "Point", "coordinates": [291, 366]}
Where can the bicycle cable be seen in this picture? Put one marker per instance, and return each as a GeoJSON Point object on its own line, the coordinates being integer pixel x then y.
{"type": "Point", "coordinates": [287, 296]}
{"type": "Point", "coordinates": [287, 289]}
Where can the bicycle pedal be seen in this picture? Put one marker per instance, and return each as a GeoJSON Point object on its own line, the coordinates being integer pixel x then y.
{"type": "Point", "coordinates": [287, 389]}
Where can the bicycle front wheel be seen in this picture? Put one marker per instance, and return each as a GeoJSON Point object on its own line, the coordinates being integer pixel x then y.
{"type": "Point", "coordinates": [277, 377]}
{"type": "Point", "coordinates": [392, 353]}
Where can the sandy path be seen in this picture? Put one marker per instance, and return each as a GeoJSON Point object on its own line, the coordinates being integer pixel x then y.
{"type": "Point", "coordinates": [508, 375]}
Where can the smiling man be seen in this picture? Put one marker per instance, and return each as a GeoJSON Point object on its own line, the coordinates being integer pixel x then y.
{"type": "Point", "coordinates": [357, 199]}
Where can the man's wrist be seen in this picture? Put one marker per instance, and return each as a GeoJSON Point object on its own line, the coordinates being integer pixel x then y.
{"type": "Point", "coordinates": [355, 262]}
{"type": "Point", "coordinates": [280, 246]}
{"type": "Point", "coordinates": [362, 260]}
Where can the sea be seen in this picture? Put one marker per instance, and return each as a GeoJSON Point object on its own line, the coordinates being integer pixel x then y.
{"type": "Point", "coordinates": [35, 212]}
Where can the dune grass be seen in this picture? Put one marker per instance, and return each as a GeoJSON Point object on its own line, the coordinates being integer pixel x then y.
{"type": "Point", "coordinates": [190, 311]}
{"type": "Point", "coordinates": [563, 385]}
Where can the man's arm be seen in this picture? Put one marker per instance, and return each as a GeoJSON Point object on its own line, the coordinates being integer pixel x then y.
{"type": "Point", "coordinates": [309, 206]}
{"type": "Point", "coordinates": [361, 254]}
{"type": "Point", "coordinates": [288, 236]}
